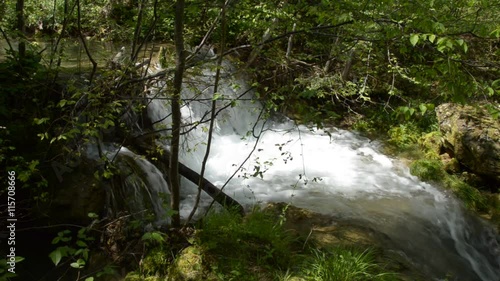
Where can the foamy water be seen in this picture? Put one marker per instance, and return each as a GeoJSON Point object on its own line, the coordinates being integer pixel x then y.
{"type": "Point", "coordinates": [331, 171]}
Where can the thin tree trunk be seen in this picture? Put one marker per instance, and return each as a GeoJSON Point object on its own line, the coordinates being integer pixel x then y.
{"type": "Point", "coordinates": [348, 66]}
{"type": "Point", "coordinates": [212, 114]}
{"type": "Point", "coordinates": [21, 28]}
{"type": "Point", "coordinates": [137, 30]}
{"type": "Point", "coordinates": [176, 112]}
{"type": "Point", "coordinates": [290, 42]}
{"type": "Point", "coordinates": [84, 43]}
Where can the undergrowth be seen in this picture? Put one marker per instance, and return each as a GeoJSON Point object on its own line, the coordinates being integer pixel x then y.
{"type": "Point", "coordinates": [243, 248]}
{"type": "Point", "coordinates": [257, 247]}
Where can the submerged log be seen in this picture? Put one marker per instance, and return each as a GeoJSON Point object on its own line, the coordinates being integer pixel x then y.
{"type": "Point", "coordinates": [162, 163]}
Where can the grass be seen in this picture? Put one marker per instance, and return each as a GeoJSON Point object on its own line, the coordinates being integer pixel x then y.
{"type": "Point", "coordinates": [341, 264]}
{"type": "Point", "coordinates": [244, 247]}
{"type": "Point", "coordinates": [256, 247]}
{"type": "Point", "coordinates": [433, 170]}
{"type": "Point", "coordinates": [428, 170]}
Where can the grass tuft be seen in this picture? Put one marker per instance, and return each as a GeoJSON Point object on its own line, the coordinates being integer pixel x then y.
{"type": "Point", "coordinates": [342, 264]}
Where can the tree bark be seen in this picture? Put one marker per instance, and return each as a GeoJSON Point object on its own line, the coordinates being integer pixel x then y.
{"type": "Point", "coordinates": [290, 43]}
{"type": "Point", "coordinates": [176, 112]}
{"type": "Point", "coordinates": [21, 28]}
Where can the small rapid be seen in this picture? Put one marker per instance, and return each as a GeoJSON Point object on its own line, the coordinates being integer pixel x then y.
{"type": "Point", "coordinates": [331, 171]}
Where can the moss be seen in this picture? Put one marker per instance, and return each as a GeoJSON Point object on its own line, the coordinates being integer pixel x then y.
{"type": "Point", "coordinates": [472, 197]}
{"type": "Point", "coordinates": [428, 170]}
{"type": "Point", "coordinates": [433, 170]}
{"type": "Point", "coordinates": [451, 166]}
{"type": "Point", "coordinates": [135, 276]}
{"type": "Point", "coordinates": [431, 144]}
{"type": "Point", "coordinates": [187, 266]}
{"type": "Point", "coordinates": [156, 262]}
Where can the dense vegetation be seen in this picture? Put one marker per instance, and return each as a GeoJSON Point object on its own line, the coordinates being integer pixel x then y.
{"type": "Point", "coordinates": [380, 67]}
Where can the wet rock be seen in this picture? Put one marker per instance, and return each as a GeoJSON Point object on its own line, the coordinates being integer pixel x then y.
{"type": "Point", "coordinates": [324, 231]}
{"type": "Point", "coordinates": [431, 144]}
{"type": "Point", "coordinates": [472, 136]}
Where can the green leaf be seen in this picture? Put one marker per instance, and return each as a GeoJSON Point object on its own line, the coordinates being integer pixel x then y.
{"type": "Point", "coordinates": [423, 108]}
{"type": "Point", "coordinates": [466, 48]}
{"type": "Point", "coordinates": [56, 256]}
{"type": "Point", "coordinates": [89, 278]}
{"type": "Point", "coordinates": [432, 37]}
{"type": "Point", "coordinates": [414, 39]}
{"type": "Point", "coordinates": [216, 96]}
{"type": "Point", "coordinates": [153, 236]}
{"type": "Point", "coordinates": [412, 111]}
{"type": "Point", "coordinates": [80, 243]}
{"type": "Point", "coordinates": [62, 103]}
{"type": "Point", "coordinates": [39, 121]}
{"type": "Point", "coordinates": [85, 254]}
{"type": "Point", "coordinates": [92, 215]}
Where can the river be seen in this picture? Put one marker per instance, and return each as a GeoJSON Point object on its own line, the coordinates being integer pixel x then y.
{"type": "Point", "coordinates": [331, 171]}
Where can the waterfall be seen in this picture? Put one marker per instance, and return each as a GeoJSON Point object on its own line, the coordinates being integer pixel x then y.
{"type": "Point", "coordinates": [142, 187]}
{"type": "Point", "coordinates": [330, 171]}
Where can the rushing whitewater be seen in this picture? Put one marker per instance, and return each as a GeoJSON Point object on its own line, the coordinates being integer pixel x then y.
{"type": "Point", "coordinates": [330, 171]}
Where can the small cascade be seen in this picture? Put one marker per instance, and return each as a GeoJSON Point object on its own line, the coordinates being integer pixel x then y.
{"type": "Point", "coordinates": [330, 171]}
{"type": "Point", "coordinates": [144, 185]}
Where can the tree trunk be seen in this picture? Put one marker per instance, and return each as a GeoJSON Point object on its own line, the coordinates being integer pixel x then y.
{"type": "Point", "coordinates": [21, 28]}
{"type": "Point", "coordinates": [176, 112]}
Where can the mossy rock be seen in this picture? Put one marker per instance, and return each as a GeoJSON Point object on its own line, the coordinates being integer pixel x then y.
{"type": "Point", "coordinates": [431, 144]}
{"type": "Point", "coordinates": [473, 135]}
{"type": "Point", "coordinates": [134, 276]}
{"type": "Point", "coordinates": [156, 262]}
{"type": "Point", "coordinates": [187, 266]}
{"type": "Point", "coordinates": [450, 165]}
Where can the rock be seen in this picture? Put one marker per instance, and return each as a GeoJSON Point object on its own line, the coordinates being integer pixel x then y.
{"type": "Point", "coordinates": [450, 165]}
{"type": "Point", "coordinates": [325, 231]}
{"type": "Point", "coordinates": [431, 144]}
{"type": "Point", "coordinates": [75, 193]}
{"type": "Point", "coordinates": [472, 136]}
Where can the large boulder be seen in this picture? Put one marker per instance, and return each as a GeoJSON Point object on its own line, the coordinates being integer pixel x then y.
{"type": "Point", "coordinates": [472, 136]}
